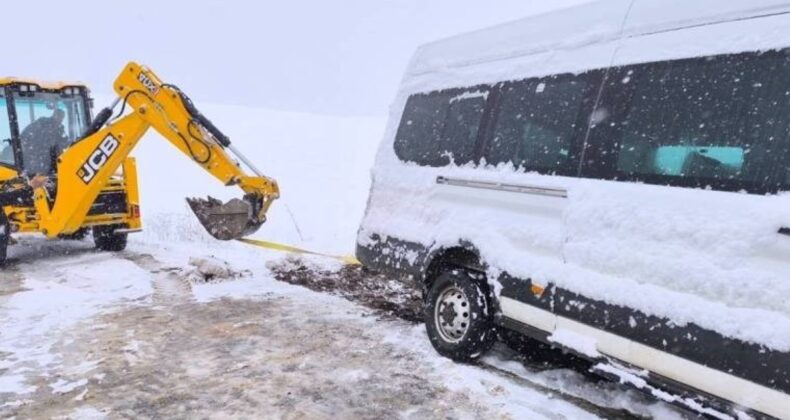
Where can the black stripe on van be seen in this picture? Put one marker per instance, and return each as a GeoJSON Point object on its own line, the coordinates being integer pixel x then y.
{"type": "Point", "coordinates": [749, 361]}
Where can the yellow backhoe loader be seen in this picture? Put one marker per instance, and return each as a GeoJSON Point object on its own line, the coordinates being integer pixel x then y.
{"type": "Point", "coordinates": [63, 172]}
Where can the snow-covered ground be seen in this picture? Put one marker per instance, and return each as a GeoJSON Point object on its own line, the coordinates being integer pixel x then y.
{"type": "Point", "coordinates": [87, 334]}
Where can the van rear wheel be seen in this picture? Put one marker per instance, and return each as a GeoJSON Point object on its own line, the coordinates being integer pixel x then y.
{"type": "Point", "coordinates": [458, 317]}
{"type": "Point", "coordinates": [107, 239]}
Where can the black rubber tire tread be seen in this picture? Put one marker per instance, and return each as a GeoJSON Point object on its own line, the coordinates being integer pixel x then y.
{"type": "Point", "coordinates": [5, 235]}
{"type": "Point", "coordinates": [76, 236]}
{"type": "Point", "coordinates": [106, 239]}
{"type": "Point", "coordinates": [481, 334]}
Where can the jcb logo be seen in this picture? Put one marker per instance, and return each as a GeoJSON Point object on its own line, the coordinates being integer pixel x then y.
{"type": "Point", "coordinates": [97, 159]}
{"type": "Point", "coordinates": [148, 83]}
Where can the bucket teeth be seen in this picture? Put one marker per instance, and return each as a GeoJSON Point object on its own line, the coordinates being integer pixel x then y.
{"type": "Point", "coordinates": [231, 220]}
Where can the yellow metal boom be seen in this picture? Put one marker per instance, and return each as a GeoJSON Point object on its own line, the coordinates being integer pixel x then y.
{"type": "Point", "coordinates": [85, 167]}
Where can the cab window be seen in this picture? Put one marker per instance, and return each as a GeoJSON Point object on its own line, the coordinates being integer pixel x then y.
{"type": "Point", "coordinates": [6, 148]}
{"type": "Point", "coordinates": [48, 122]}
{"type": "Point", "coordinates": [43, 105]}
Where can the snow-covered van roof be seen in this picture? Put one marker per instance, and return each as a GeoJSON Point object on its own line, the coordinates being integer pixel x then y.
{"type": "Point", "coordinates": [598, 22]}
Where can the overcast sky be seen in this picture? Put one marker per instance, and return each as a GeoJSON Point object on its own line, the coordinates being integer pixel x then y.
{"type": "Point", "coordinates": [331, 57]}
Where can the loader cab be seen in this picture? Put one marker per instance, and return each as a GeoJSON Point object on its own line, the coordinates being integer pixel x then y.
{"type": "Point", "coordinates": [37, 121]}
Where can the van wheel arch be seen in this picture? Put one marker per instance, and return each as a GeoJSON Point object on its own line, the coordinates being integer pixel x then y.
{"type": "Point", "coordinates": [458, 257]}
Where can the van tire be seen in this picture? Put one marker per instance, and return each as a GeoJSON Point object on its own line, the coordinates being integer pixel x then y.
{"type": "Point", "coordinates": [458, 316]}
{"type": "Point", "coordinates": [106, 239]}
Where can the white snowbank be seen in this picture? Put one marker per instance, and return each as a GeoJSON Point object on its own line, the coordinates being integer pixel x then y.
{"type": "Point", "coordinates": [575, 341]}
{"type": "Point", "coordinates": [321, 163]}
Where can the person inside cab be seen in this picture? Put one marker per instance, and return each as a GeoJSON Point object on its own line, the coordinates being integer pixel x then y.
{"type": "Point", "coordinates": [42, 141]}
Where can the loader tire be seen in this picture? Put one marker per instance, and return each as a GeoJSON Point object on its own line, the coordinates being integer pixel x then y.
{"type": "Point", "coordinates": [5, 235]}
{"type": "Point", "coordinates": [106, 239]}
{"type": "Point", "coordinates": [76, 236]}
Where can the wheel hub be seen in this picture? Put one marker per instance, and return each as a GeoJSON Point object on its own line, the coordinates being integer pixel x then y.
{"type": "Point", "coordinates": [452, 314]}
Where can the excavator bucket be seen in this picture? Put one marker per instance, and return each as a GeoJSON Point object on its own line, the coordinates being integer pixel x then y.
{"type": "Point", "coordinates": [231, 220]}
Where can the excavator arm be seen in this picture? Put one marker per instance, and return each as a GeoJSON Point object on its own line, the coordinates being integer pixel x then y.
{"type": "Point", "coordinates": [86, 166]}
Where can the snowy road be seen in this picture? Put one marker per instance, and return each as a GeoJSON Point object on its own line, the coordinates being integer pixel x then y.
{"type": "Point", "coordinates": [92, 335]}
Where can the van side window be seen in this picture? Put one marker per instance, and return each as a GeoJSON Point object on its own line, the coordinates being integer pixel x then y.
{"type": "Point", "coordinates": [717, 121]}
{"type": "Point", "coordinates": [462, 125]}
{"type": "Point", "coordinates": [438, 128]}
{"type": "Point", "coordinates": [536, 123]}
{"type": "Point", "coordinates": [421, 128]}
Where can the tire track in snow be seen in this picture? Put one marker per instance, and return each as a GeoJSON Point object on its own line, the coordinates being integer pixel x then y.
{"type": "Point", "coordinates": [169, 286]}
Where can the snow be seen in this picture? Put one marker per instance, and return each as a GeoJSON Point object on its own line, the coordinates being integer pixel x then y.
{"type": "Point", "coordinates": [469, 95]}
{"type": "Point", "coordinates": [627, 376]}
{"type": "Point", "coordinates": [595, 35]}
{"type": "Point", "coordinates": [77, 379]}
{"type": "Point", "coordinates": [209, 269]}
{"type": "Point", "coordinates": [54, 298]}
{"type": "Point", "coordinates": [15, 384]}
{"type": "Point", "coordinates": [63, 386]}
{"type": "Point", "coordinates": [321, 163]}
{"type": "Point", "coordinates": [518, 403]}
{"type": "Point", "coordinates": [568, 28]}
{"type": "Point", "coordinates": [598, 22]}
{"type": "Point", "coordinates": [649, 16]}
{"type": "Point", "coordinates": [576, 342]}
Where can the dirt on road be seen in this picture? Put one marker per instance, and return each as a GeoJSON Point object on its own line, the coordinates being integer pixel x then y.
{"type": "Point", "coordinates": [275, 358]}
{"type": "Point", "coordinates": [396, 297]}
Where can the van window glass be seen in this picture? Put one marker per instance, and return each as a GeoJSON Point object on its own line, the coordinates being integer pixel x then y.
{"type": "Point", "coordinates": [440, 127]}
{"type": "Point", "coordinates": [536, 123]}
{"type": "Point", "coordinates": [462, 125]}
{"type": "Point", "coordinates": [710, 122]}
{"type": "Point", "coordinates": [420, 128]}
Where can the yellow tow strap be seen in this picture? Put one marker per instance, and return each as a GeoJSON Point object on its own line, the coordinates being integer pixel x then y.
{"type": "Point", "coordinates": [346, 259]}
